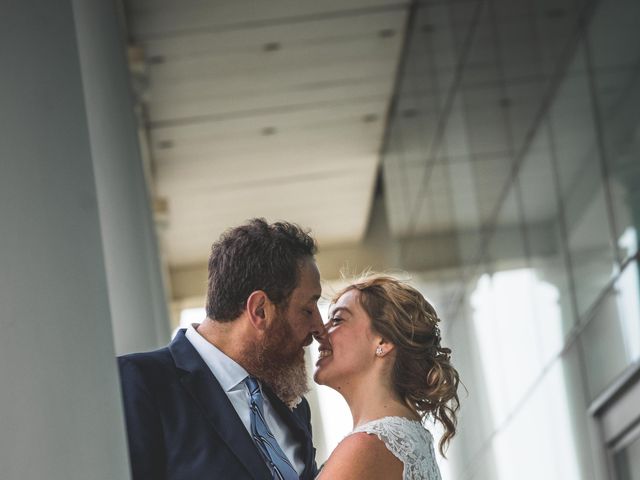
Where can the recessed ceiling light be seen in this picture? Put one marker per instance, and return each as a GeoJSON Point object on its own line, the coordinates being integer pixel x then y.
{"type": "Point", "coordinates": [272, 46]}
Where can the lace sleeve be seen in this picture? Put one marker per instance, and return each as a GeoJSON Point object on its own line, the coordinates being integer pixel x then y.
{"type": "Point", "coordinates": [410, 442]}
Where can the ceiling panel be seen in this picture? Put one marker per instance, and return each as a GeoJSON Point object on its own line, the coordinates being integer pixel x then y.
{"type": "Point", "coordinates": [163, 18]}
{"type": "Point", "coordinates": [271, 109]}
{"type": "Point", "coordinates": [336, 207]}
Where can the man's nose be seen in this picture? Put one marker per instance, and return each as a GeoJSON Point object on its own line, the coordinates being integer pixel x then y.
{"type": "Point", "coordinates": [317, 327]}
{"type": "Point", "coordinates": [321, 335]}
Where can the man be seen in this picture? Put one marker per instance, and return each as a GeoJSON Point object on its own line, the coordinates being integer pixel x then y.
{"type": "Point", "coordinates": [224, 399]}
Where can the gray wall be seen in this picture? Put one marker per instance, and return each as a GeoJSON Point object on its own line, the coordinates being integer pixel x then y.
{"type": "Point", "coordinates": [77, 247]}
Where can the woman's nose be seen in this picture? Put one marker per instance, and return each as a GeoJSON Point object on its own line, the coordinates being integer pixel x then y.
{"type": "Point", "coordinates": [321, 334]}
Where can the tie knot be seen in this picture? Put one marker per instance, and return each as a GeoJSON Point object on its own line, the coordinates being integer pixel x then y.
{"type": "Point", "coordinates": [252, 384]}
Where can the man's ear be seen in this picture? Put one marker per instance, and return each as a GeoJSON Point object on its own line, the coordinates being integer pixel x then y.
{"type": "Point", "coordinates": [258, 309]}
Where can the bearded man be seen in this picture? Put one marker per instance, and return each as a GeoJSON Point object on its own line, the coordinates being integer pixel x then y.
{"type": "Point", "coordinates": [224, 399]}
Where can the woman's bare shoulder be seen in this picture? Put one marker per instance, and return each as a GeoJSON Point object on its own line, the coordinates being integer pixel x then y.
{"type": "Point", "coordinates": [362, 455]}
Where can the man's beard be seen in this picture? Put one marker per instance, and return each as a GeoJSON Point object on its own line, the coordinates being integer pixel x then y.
{"type": "Point", "coordinates": [278, 363]}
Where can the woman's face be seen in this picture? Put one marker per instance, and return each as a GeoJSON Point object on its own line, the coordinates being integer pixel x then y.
{"type": "Point", "coordinates": [349, 345]}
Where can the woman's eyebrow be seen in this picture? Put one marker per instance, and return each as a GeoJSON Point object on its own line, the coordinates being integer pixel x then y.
{"type": "Point", "coordinates": [340, 309]}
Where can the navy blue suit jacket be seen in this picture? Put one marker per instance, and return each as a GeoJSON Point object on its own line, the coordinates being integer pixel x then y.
{"type": "Point", "coordinates": [181, 424]}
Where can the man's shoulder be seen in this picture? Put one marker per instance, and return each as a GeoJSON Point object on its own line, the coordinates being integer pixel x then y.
{"type": "Point", "coordinates": [145, 362]}
{"type": "Point", "coordinates": [161, 354]}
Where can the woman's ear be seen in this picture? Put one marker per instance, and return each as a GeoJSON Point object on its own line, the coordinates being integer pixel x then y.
{"type": "Point", "coordinates": [258, 306]}
{"type": "Point", "coordinates": [384, 348]}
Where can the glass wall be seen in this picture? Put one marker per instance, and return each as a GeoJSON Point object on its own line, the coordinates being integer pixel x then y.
{"type": "Point", "coordinates": [515, 132]}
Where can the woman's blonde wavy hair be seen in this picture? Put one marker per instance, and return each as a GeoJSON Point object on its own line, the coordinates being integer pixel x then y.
{"type": "Point", "coordinates": [422, 374]}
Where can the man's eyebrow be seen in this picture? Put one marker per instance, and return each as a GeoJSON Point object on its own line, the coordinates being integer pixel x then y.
{"type": "Point", "coordinates": [315, 298]}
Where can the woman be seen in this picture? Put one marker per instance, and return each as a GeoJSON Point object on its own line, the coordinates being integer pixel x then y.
{"type": "Point", "coordinates": [381, 351]}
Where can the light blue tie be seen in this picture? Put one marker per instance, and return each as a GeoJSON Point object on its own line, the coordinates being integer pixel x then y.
{"type": "Point", "coordinates": [273, 455]}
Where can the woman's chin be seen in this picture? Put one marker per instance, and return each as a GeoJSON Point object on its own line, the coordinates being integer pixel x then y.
{"type": "Point", "coordinates": [320, 375]}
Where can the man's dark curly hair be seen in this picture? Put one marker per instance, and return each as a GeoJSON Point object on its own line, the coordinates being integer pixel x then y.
{"type": "Point", "coordinates": [255, 256]}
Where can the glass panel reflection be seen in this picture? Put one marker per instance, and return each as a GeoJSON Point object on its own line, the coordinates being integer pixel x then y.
{"type": "Point", "coordinates": [506, 247]}
{"type": "Point", "coordinates": [538, 441]}
{"type": "Point", "coordinates": [516, 320]}
{"type": "Point", "coordinates": [605, 348]}
{"type": "Point", "coordinates": [516, 323]}
{"type": "Point", "coordinates": [628, 300]}
{"type": "Point", "coordinates": [533, 138]}
{"type": "Point", "coordinates": [616, 66]}
{"type": "Point", "coordinates": [582, 187]}
{"type": "Point", "coordinates": [543, 224]}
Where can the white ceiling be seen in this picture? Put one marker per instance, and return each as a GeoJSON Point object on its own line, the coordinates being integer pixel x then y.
{"type": "Point", "coordinates": [272, 109]}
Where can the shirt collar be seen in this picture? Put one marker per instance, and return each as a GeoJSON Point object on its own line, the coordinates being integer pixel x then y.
{"type": "Point", "coordinates": [226, 370]}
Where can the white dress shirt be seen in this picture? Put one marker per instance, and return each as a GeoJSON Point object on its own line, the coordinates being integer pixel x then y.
{"type": "Point", "coordinates": [231, 377]}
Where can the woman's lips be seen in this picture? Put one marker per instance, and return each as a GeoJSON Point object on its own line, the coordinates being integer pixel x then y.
{"type": "Point", "coordinates": [324, 353]}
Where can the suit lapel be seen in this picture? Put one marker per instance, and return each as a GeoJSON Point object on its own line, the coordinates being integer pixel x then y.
{"type": "Point", "coordinates": [287, 415]}
{"type": "Point", "coordinates": [215, 405]}
{"type": "Point", "coordinates": [296, 424]}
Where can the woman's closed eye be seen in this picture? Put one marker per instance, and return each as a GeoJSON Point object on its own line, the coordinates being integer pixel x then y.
{"type": "Point", "coordinates": [334, 321]}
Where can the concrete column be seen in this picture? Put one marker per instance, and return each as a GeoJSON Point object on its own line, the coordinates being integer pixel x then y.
{"type": "Point", "coordinates": [60, 407]}
{"type": "Point", "coordinates": [136, 293]}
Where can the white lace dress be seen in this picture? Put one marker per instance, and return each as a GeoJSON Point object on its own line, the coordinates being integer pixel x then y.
{"type": "Point", "coordinates": [410, 442]}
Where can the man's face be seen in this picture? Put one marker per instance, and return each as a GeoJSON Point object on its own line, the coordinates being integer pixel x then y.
{"type": "Point", "coordinates": [301, 314]}
{"type": "Point", "coordinates": [279, 358]}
